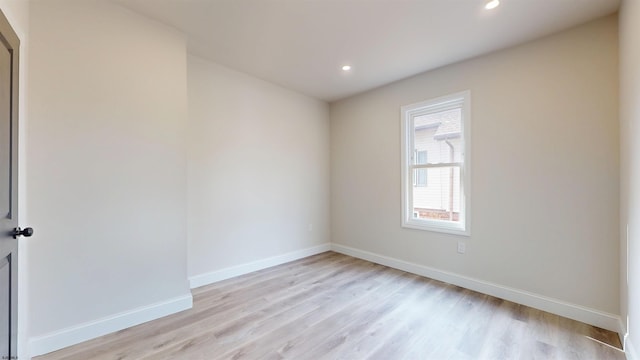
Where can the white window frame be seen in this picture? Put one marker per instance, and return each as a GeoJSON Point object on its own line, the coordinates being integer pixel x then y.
{"type": "Point", "coordinates": [461, 100]}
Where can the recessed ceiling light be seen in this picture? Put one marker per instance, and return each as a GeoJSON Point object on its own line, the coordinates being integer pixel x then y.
{"type": "Point", "coordinates": [492, 4]}
{"type": "Point", "coordinates": [346, 67]}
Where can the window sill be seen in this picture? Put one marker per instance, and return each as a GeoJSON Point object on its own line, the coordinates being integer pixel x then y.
{"type": "Point", "coordinates": [437, 226]}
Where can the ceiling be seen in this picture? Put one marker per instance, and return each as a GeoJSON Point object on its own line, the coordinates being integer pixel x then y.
{"type": "Point", "coordinates": [302, 44]}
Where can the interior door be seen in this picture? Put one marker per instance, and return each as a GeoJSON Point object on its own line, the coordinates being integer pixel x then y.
{"type": "Point", "coordinates": [9, 46]}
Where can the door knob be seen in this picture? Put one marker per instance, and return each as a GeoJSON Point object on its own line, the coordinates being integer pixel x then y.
{"type": "Point", "coordinates": [26, 232]}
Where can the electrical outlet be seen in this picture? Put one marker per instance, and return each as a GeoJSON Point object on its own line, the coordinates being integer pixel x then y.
{"type": "Point", "coordinates": [310, 227]}
{"type": "Point", "coordinates": [462, 247]}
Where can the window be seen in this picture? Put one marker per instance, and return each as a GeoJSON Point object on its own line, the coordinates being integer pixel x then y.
{"type": "Point", "coordinates": [420, 178]}
{"type": "Point", "coordinates": [435, 189]}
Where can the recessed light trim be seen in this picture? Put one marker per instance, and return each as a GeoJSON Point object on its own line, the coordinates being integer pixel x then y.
{"type": "Point", "coordinates": [492, 4]}
{"type": "Point", "coordinates": [346, 67]}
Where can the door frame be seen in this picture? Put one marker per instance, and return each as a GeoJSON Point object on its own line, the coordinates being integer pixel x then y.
{"type": "Point", "coordinates": [10, 40]}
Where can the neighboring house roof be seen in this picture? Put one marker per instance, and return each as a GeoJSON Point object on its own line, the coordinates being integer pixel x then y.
{"type": "Point", "coordinates": [427, 121]}
{"type": "Point", "coordinates": [448, 123]}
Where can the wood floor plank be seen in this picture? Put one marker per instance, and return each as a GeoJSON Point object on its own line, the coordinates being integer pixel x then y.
{"type": "Point", "coordinates": [362, 311]}
{"type": "Point", "coordinates": [446, 320]}
{"type": "Point", "coordinates": [331, 306]}
{"type": "Point", "coordinates": [357, 340]}
{"type": "Point", "coordinates": [342, 296]}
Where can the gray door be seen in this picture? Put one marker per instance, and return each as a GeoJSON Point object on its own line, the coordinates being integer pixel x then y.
{"type": "Point", "coordinates": [8, 189]}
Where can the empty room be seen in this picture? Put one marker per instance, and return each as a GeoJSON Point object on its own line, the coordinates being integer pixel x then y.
{"type": "Point", "coordinates": [321, 179]}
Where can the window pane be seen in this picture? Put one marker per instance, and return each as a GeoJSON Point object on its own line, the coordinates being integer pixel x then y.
{"type": "Point", "coordinates": [439, 134]}
{"type": "Point", "coordinates": [420, 178]}
{"type": "Point", "coordinates": [421, 157]}
{"type": "Point", "coordinates": [440, 199]}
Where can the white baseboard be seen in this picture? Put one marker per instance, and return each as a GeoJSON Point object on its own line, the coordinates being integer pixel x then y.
{"type": "Point", "coordinates": [623, 335]}
{"type": "Point", "coordinates": [573, 311]}
{"type": "Point", "coordinates": [227, 273]}
{"type": "Point", "coordinates": [74, 335]}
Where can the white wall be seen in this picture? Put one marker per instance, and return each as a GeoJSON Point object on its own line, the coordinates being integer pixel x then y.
{"type": "Point", "coordinates": [630, 173]}
{"type": "Point", "coordinates": [258, 169]}
{"type": "Point", "coordinates": [17, 12]}
{"type": "Point", "coordinates": [107, 167]}
{"type": "Point", "coordinates": [545, 169]}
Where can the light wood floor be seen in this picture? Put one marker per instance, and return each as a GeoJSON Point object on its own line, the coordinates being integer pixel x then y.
{"type": "Point", "coordinates": [332, 306]}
